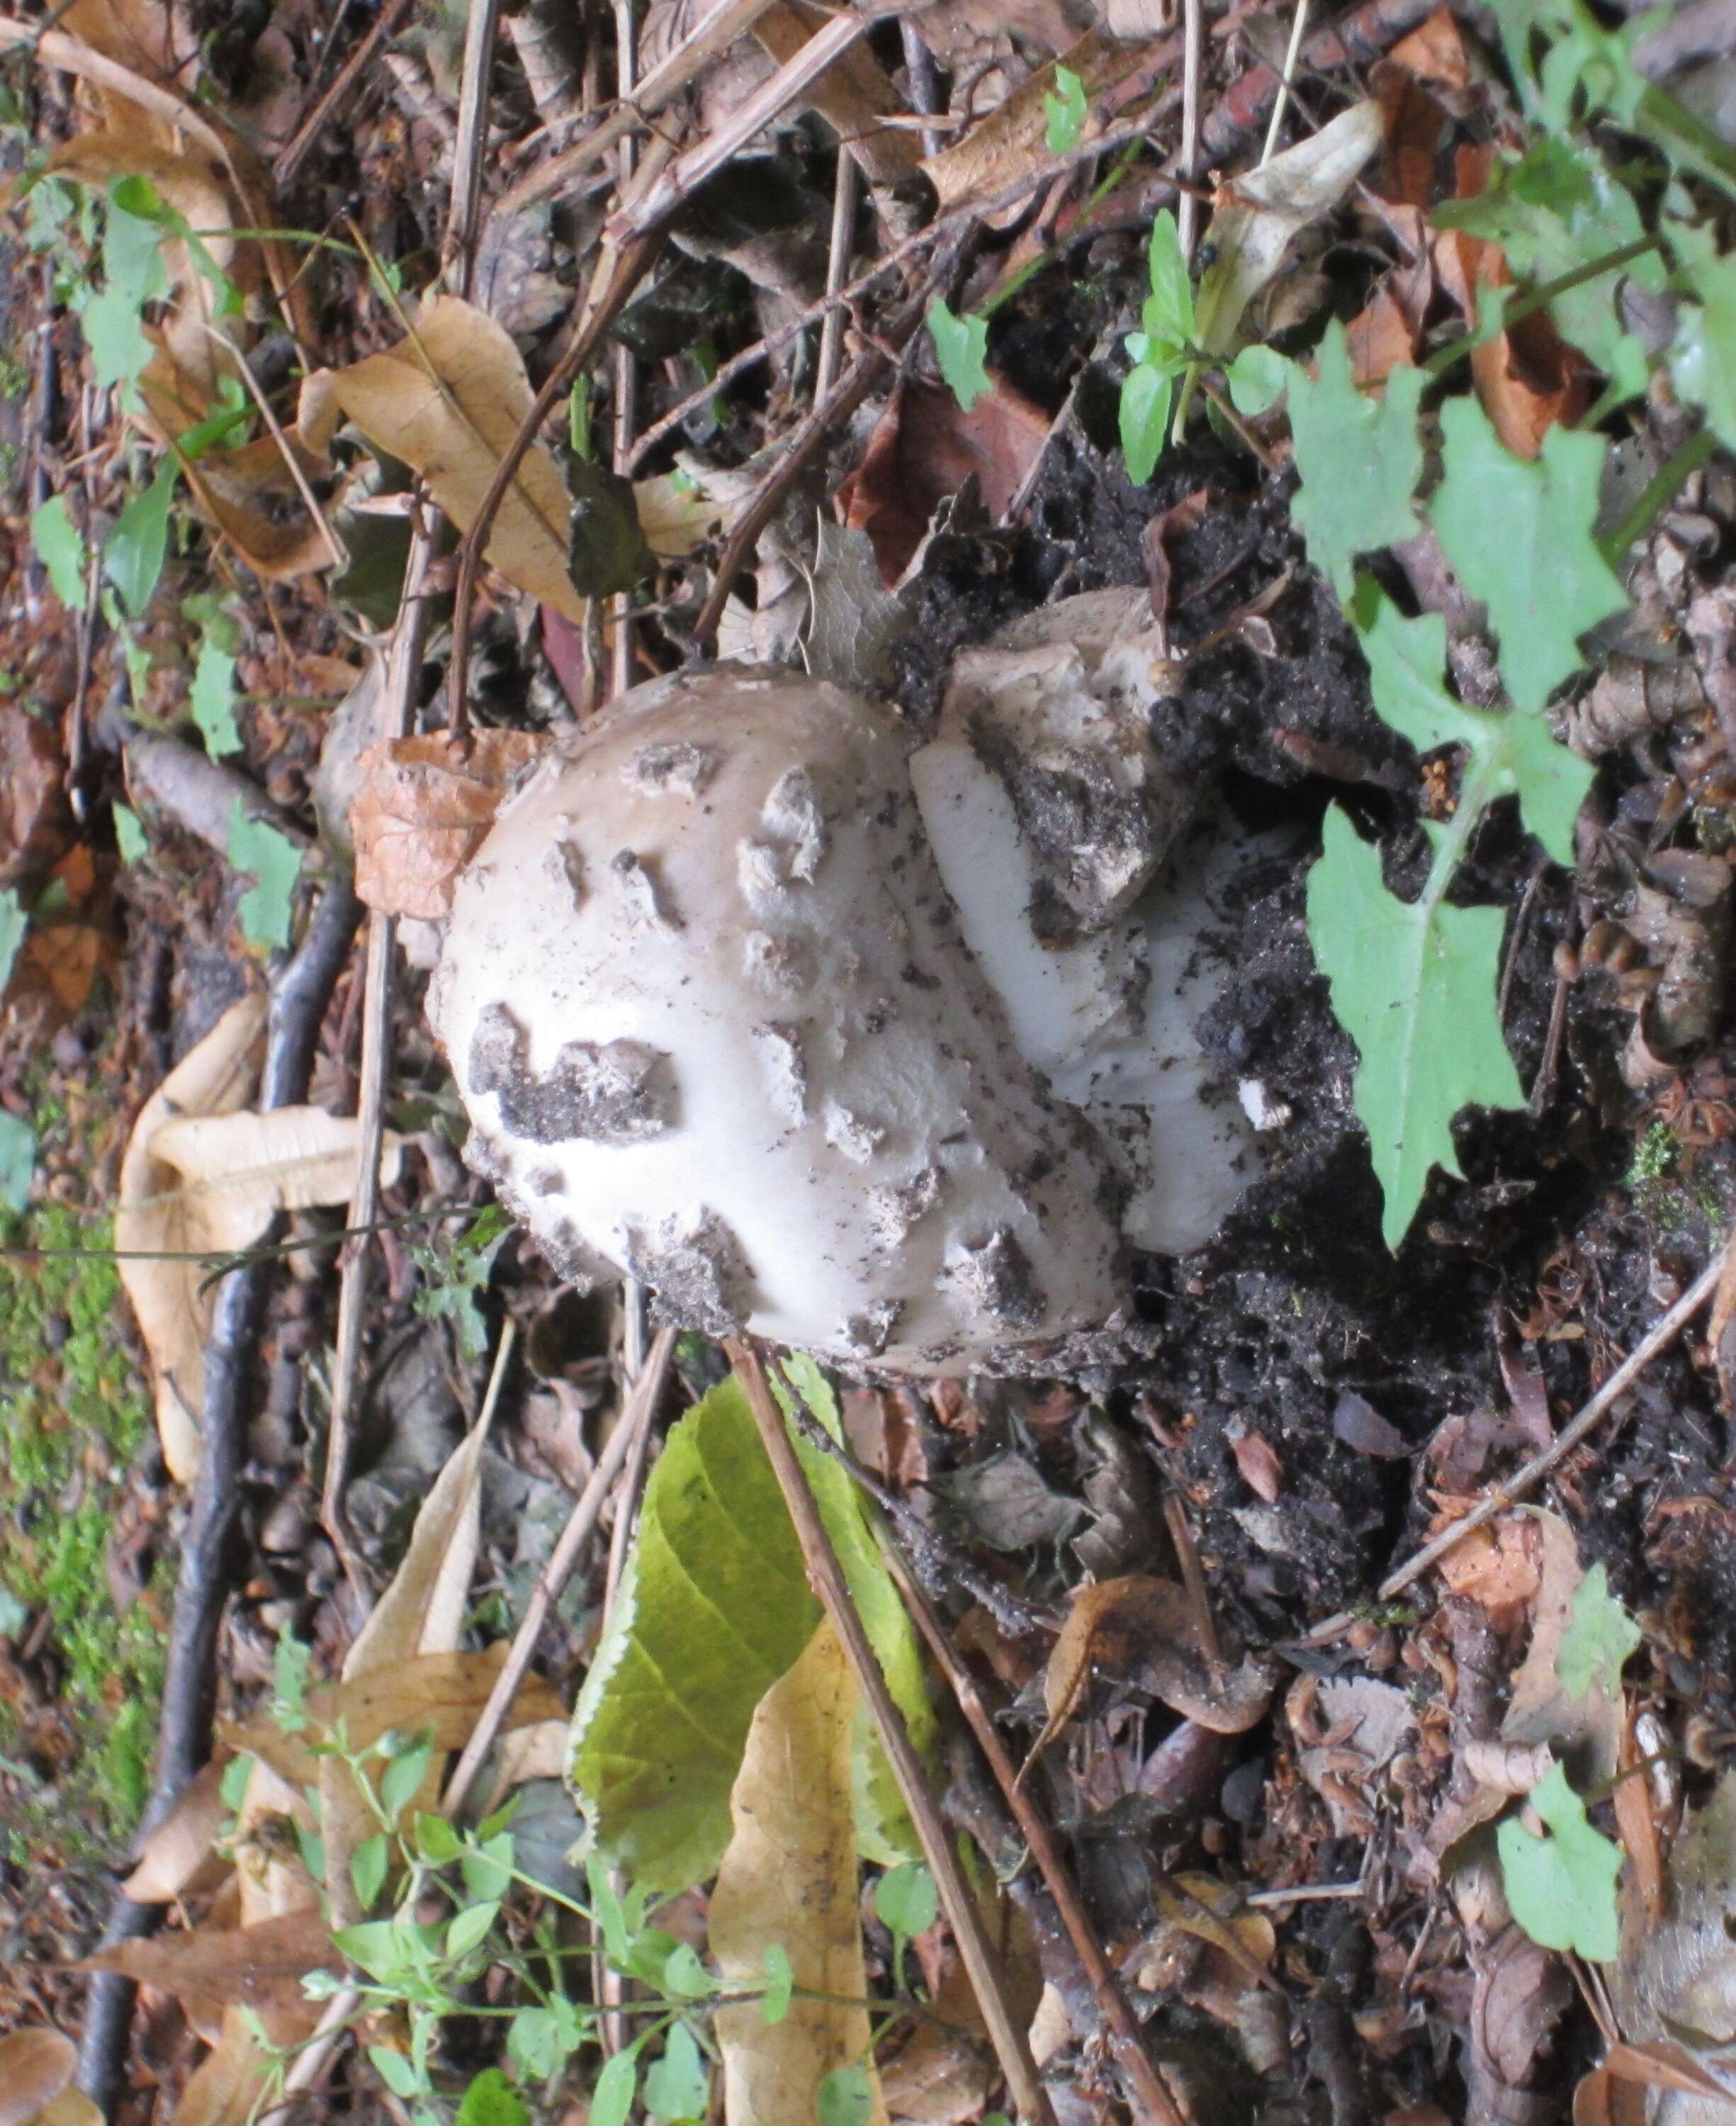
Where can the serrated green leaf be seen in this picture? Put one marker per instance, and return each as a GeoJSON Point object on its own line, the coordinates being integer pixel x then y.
{"type": "Point", "coordinates": [491, 2100]}
{"type": "Point", "coordinates": [959, 345]}
{"type": "Point", "coordinates": [713, 1607]}
{"type": "Point", "coordinates": [883, 1830]}
{"type": "Point", "coordinates": [59, 546]}
{"type": "Point", "coordinates": [1064, 112]}
{"type": "Point", "coordinates": [133, 557]}
{"type": "Point", "coordinates": [275, 863]}
{"type": "Point", "coordinates": [129, 835]}
{"type": "Point", "coordinates": [213, 701]}
{"type": "Point", "coordinates": [1703, 354]}
{"type": "Point", "coordinates": [1146, 395]}
{"type": "Point", "coordinates": [1414, 984]}
{"type": "Point", "coordinates": [1360, 459]}
{"type": "Point", "coordinates": [1509, 754]}
{"type": "Point", "coordinates": [1598, 1644]}
{"type": "Point", "coordinates": [540, 2041]}
{"type": "Point", "coordinates": [17, 1160]}
{"type": "Point", "coordinates": [368, 1865]}
{"type": "Point", "coordinates": [679, 2085]}
{"type": "Point", "coordinates": [1562, 1888]}
{"type": "Point", "coordinates": [1520, 536]}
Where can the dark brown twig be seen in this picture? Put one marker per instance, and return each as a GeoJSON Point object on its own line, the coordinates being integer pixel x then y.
{"type": "Point", "coordinates": [298, 998]}
{"type": "Point", "coordinates": [288, 164]}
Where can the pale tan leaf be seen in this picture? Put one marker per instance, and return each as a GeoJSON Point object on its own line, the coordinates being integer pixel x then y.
{"type": "Point", "coordinates": [1261, 214]}
{"type": "Point", "coordinates": [448, 400]}
{"type": "Point", "coordinates": [677, 511]}
{"type": "Point", "coordinates": [422, 1612]}
{"type": "Point", "coordinates": [271, 1881]}
{"type": "Point", "coordinates": [217, 1077]}
{"type": "Point", "coordinates": [229, 2081]}
{"type": "Point", "coordinates": [422, 808]}
{"type": "Point", "coordinates": [789, 1877]}
{"type": "Point", "coordinates": [1001, 147]}
{"type": "Point", "coordinates": [35, 2066]}
{"type": "Point", "coordinates": [538, 1750]}
{"type": "Point", "coordinates": [180, 1845]}
{"type": "Point", "coordinates": [201, 1177]}
{"type": "Point", "coordinates": [71, 2107]}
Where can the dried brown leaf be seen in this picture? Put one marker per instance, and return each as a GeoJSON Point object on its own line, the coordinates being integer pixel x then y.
{"type": "Point", "coordinates": [226, 2089]}
{"type": "Point", "coordinates": [200, 1177]}
{"type": "Point", "coordinates": [176, 1851]}
{"type": "Point", "coordinates": [421, 809]}
{"type": "Point", "coordinates": [1261, 1471]}
{"type": "Point", "coordinates": [260, 1967]}
{"type": "Point", "coordinates": [35, 2066]}
{"type": "Point", "coordinates": [1585, 1731]}
{"type": "Point", "coordinates": [790, 1877]}
{"type": "Point", "coordinates": [449, 400]}
{"type": "Point", "coordinates": [1001, 147]}
{"type": "Point", "coordinates": [32, 827]}
{"type": "Point", "coordinates": [1145, 1632]}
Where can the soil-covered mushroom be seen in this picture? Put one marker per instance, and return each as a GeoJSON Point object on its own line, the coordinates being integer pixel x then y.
{"type": "Point", "coordinates": [708, 1007]}
{"type": "Point", "coordinates": [877, 1055]}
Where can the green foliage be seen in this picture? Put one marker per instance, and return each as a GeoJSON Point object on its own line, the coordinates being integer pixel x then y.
{"type": "Point", "coordinates": [908, 1904]}
{"type": "Point", "coordinates": [213, 697]}
{"type": "Point", "coordinates": [1359, 457]}
{"type": "Point", "coordinates": [780, 1985]}
{"type": "Point", "coordinates": [491, 2101]}
{"type": "Point", "coordinates": [455, 1273]}
{"type": "Point", "coordinates": [1703, 354]}
{"type": "Point", "coordinates": [1562, 1888]}
{"type": "Point", "coordinates": [1161, 351]}
{"type": "Point", "coordinates": [59, 546]}
{"type": "Point", "coordinates": [129, 835]}
{"type": "Point", "coordinates": [13, 924]}
{"type": "Point", "coordinates": [1063, 112]}
{"type": "Point", "coordinates": [17, 1160]}
{"type": "Point", "coordinates": [713, 1607]}
{"type": "Point", "coordinates": [1599, 1642]}
{"type": "Point", "coordinates": [1543, 579]}
{"type": "Point", "coordinates": [677, 2086]}
{"type": "Point", "coordinates": [959, 346]}
{"type": "Point", "coordinates": [1411, 985]}
{"type": "Point", "coordinates": [133, 557]}
{"type": "Point", "coordinates": [275, 863]}
{"type": "Point", "coordinates": [846, 2097]}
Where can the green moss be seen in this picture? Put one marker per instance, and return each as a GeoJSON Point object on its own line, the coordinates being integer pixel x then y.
{"type": "Point", "coordinates": [73, 1414]}
{"type": "Point", "coordinates": [1654, 1159]}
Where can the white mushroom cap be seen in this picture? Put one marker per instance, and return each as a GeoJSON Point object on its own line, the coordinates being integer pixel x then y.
{"type": "Point", "coordinates": [710, 1011]}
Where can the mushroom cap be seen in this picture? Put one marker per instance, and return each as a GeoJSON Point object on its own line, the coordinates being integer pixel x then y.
{"type": "Point", "coordinates": [710, 1011]}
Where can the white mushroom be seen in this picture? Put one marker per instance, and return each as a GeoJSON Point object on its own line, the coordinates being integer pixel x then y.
{"type": "Point", "coordinates": [709, 1010]}
{"type": "Point", "coordinates": [878, 1057]}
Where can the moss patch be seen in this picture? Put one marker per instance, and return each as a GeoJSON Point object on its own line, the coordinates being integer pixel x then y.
{"type": "Point", "coordinates": [73, 1416]}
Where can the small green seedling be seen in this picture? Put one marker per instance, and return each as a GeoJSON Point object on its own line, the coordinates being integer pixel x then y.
{"type": "Point", "coordinates": [1562, 1888]}
{"type": "Point", "coordinates": [1599, 1642]}
{"type": "Point", "coordinates": [1064, 112]}
{"type": "Point", "coordinates": [959, 345]}
{"type": "Point", "coordinates": [1161, 351]}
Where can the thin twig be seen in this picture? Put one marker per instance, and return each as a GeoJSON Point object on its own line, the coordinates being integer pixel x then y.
{"type": "Point", "coordinates": [641, 1403]}
{"type": "Point", "coordinates": [1005, 2030]}
{"type": "Point", "coordinates": [846, 196]}
{"type": "Point", "coordinates": [298, 998]}
{"type": "Point", "coordinates": [1499, 1497]}
{"type": "Point", "coordinates": [1151, 2102]}
{"type": "Point", "coordinates": [1193, 38]}
{"type": "Point", "coordinates": [626, 363]}
{"type": "Point", "coordinates": [481, 30]}
{"type": "Point", "coordinates": [924, 88]}
{"type": "Point", "coordinates": [288, 164]}
{"type": "Point", "coordinates": [1293, 51]}
{"type": "Point", "coordinates": [303, 487]}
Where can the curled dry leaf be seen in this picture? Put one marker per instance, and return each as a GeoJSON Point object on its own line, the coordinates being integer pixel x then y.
{"type": "Point", "coordinates": [790, 1878]}
{"type": "Point", "coordinates": [35, 2066]}
{"type": "Point", "coordinates": [421, 809]}
{"type": "Point", "coordinates": [1145, 1632]}
{"type": "Point", "coordinates": [203, 1177]}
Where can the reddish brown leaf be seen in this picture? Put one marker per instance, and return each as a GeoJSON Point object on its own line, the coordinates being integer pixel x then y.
{"type": "Point", "coordinates": [30, 795]}
{"type": "Point", "coordinates": [924, 448]}
{"type": "Point", "coordinates": [260, 1967]}
{"type": "Point", "coordinates": [1261, 1471]}
{"type": "Point", "coordinates": [423, 809]}
{"type": "Point", "coordinates": [1637, 1822]}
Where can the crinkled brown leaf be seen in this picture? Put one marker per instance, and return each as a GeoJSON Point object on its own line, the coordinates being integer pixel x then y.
{"type": "Point", "coordinates": [789, 1877]}
{"type": "Point", "coordinates": [202, 1177]}
{"type": "Point", "coordinates": [1143, 1631]}
{"type": "Point", "coordinates": [421, 809]}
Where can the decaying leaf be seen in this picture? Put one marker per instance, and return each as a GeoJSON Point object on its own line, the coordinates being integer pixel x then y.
{"type": "Point", "coordinates": [422, 810]}
{"type": "Point", "coordinates": [203, 1177]}
{"type": "Point", "coordinates": [789, 1879]}
{"type": "Point", "coordinates": [420, 1613]}
{"type": "Point", "coordinates": [35, 2066]}
{"type": "Point", "coordinates": [1261, 214]}
{"type": "Point", "coordinates": [1585, 1728]}
{"type": "Point", "coordinates": [180, 1847]}
{"type": "Point", "coordinates": [227, 2087]}
{"type": "Point", "coordinates": [1002, 146]}
{"type": "Point", "coordinates": [1145, 1631]}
